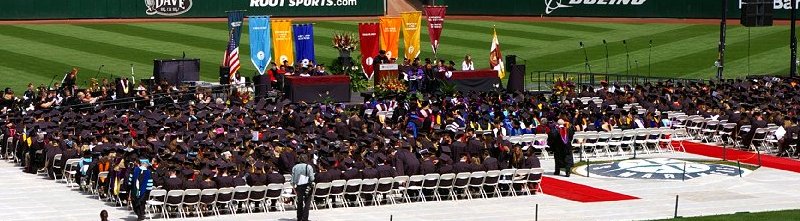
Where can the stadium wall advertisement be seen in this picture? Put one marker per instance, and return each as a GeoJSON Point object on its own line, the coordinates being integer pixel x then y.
{"type": "Point", "coordinates": [75, 9]}
{"type": "Point", "coordinates": [606, 8]}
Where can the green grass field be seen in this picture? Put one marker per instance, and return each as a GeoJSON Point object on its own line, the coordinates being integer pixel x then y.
{"type": "Point", "coordinates": [35, 53]}
{"type": "Point", "coordinates": [761, 216]}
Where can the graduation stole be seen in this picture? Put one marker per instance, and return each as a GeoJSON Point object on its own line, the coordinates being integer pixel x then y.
{"type": "Point", "coordinates": [124, 86]}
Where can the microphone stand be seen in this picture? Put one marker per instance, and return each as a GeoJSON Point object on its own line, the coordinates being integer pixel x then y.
{"type": "Point", "coordinates": [586, 59]}
{"type": "Point", "coordinates": [627, 58]}
{"type": "Point", "coordinates": [606, 46]}
{"type": "Point", "coordinates": [649, 55]}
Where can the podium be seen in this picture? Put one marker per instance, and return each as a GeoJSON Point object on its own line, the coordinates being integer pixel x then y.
{"type": "Point", "coordinates": [386, 71]}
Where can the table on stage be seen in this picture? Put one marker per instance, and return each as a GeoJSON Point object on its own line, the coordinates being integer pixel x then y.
{"type": "Point", "coordinates": [477, 80]}
{"type": "Point", "coordinates": [317, 88]}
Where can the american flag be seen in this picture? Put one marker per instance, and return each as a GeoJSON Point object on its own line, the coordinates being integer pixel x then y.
{"type": "Point", "coordinates": [231, 58]}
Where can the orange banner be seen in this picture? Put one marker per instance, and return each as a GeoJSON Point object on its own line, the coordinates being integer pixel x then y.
{"type": "Point", "coordinates": [390, 35]}
{"type": "Point", "coordinates": [283, 41]}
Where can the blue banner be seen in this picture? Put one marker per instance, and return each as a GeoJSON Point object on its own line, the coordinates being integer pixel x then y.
{"type": "Point", "coordinates": [235, 19]}
{"type": "Point", "coordinates": [260, 42]}
{"type": "Point", "coordinates": [304, 43]}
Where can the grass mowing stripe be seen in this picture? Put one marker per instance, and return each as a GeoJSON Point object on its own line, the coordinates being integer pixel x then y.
{"type": "Point", "coordinates": [665, 47]}
{"type": "Point", "coordinates": [595, 40]}
{"type": "Point", "coordinates": [121, 46]}
{"type": "Point", "coordinates": [183, 28]}
{"type": "Point", "coordinates": [22, 78]}
{"type": "Point", "coordinates": [593, 28]}
{"type": "Point", "coordinates": [557, 61]}
{"type": "Point", "coordinates": [157, 35]}
{"type": "Point", "coordinates": [772, 61]}
{"type": "Point", "coordinates": [34, 65]}
{"type": "Point", "coordinates": [708, 54]}
{"type": "Point", "coordinates": [519, 33]}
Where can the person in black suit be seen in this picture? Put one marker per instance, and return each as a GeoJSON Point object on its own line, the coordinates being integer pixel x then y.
{"type": "Point", "coordinates": [384, 170]}
{"type": "Point", "coordinates": [490, 163]}
{"type": "Point", "coordinates": [173, 182]}
{"type": "Point", "coordinates": [559, 139]}
{"type": "Point", "coordinates": [257, 177]}
{"type": "Point", "coordinates": [462, 165]}
{"type": "Point", "coordinates": [427, 166]}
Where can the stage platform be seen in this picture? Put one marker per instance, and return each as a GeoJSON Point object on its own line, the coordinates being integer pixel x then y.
{"type": "Point", "coordinates": [31, 197]}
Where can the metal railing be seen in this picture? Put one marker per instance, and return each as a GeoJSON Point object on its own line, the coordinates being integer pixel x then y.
{"type": "Point", "coordinates": [544, 80]}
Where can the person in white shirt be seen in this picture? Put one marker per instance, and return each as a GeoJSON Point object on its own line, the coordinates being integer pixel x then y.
{"type": "Point", "coordinates": [467, 65]}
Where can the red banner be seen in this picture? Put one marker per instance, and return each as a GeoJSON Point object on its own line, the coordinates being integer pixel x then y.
{"type": "Point", "coordinates": [370, 46]}
{"type": "Point", "coordinates": [435, 16]}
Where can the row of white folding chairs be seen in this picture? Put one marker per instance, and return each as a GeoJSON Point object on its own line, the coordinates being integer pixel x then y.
{"type": "Point", "coordinates": [623, 143]}
{"type": "Point", "coordinates": [200, 202]}
{"type": "Point", "coordinates": [361, 191]}
{"type": "Point", "coordinates": [538, 141]}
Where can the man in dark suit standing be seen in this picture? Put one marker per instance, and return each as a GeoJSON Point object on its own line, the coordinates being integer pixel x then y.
{"type": "Point", "coordinates": [559, 139]}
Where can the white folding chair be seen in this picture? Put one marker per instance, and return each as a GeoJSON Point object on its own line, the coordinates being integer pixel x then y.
{"type": "Point", "coordinates": [174, 199]}
{"type": "Point", "coordinates": [476, 182]}
{"type": "Point", "coordinates": [431, 183]}
{"type": "Point", "coordinates": [461, 184]}
{"type": "Point", "coordinates": [224, 197]}
{"type": "Point", "coordinates": [446, 183]}
{"type": "Point", "coordinates": [257, 196]}
{"type": "Point", "coordinates": [155, 202]}
{"type": "Point", "coordinates": [96, 189]}
{"type": "Point", "coordinates": [321, 190]}
{"type": "Point", "coordinates": [506, 179]}
{"type": "Point", "coordinates": [492, 181]}
{"type": "Point", "coordinates": [368, 188]}
{"type": "Point", "coordinates": [70, 169]}
{"type": "Point", "coordinates": [191, 199]}
{"type": "Point", "coordinates": [400, 188]}
{"type": "Point", "coordinates": [353, 188]}
{"type": "Point", "coordinates": [535, 178]}
{"type": "Point", "coordinates": [385, 187]}
{"type": "Point", "coordinates": [602, 143]}
{"type": "Point", "coordinates": [274, 191]}
{"type": "Point", "coordinates": [337, 191]}
{"type": "Point", "coordinates": [208, 198]}
{"type": "Point", "coordinates": [540, 142]}
{"type": "Point", "coordinates": [520, 178]}
{"type": "Point", "coordinates": [288, 194]}
{"type": "Point", "coordinates": [414, 184]}
{"type": "Point", "coordinates": [241, 195]}
{"type": "Point", "coordinates": [54, 165]}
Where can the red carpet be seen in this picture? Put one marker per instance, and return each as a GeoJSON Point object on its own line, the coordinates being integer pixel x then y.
{"type": "Point", "coordinates": [579, 192]}
{"type": "Point", "coordinates": [743, 156]}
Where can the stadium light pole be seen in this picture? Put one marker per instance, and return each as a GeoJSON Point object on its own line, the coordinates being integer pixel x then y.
{"type": "Point", "coordinates": [793, 44]}
{"type": "Point", "coordinates": [721, 50]}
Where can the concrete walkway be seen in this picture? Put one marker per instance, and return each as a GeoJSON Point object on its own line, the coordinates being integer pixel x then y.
{"type": "Point", "coordinates": [30, 197]}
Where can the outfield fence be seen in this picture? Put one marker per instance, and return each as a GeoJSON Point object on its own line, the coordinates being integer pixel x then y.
{"type": "Point", "coordinates": [605, 8]}
{"type": "Point", "coordinates": [79, 9]}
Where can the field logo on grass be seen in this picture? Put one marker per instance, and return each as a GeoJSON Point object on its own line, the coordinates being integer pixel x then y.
{"type": "Point", "coordinates": [552, 5]}
{"type": "Point", "coordinates": [167, 7]}
{"type": "Point", "coordinates": [661, 169]}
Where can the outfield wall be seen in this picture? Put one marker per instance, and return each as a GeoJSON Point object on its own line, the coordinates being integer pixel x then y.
{"type": "Point", "coordinates": [73, 9]}
{"type": "Point", "coordinates": [605, 8]}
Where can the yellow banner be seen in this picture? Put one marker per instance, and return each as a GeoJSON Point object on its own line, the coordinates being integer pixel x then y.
{"type": "Point", "coordinates": [390, 35]}
{"type": "Point", "coordinates": [411, 32]}
{"type": "Point", "coordinates": [282, 41]}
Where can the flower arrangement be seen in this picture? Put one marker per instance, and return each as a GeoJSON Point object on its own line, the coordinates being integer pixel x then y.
{"type": "Point", "coordinates": [388, 85]}
{"type": "Point", "coordinates": [563, 86]}
{"type": "Point", "coordinates": [345, 42]}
